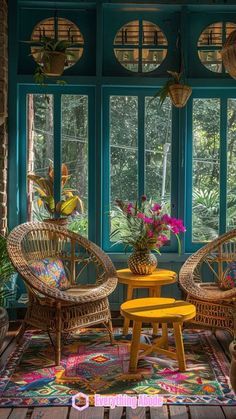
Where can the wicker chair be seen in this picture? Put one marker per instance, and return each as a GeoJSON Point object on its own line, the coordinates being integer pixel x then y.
{"type": "Point", "coordinates": [200, 277]}
{"type": "Point", "coordinates": [50, 309]}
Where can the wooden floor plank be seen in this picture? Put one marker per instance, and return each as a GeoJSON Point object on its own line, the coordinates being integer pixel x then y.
{"type": "Point", "coordinates": [178, 412]}
{"type": "Point", "coordinates": [115, 413]}
{"type": "Point", "coordinates": [138, 413]}
{"type": "Point", "coordinates": [159, 412]}
{"type": "Point", "coordinates": [50, 413]}
{"type": "Point", "coordinates": [89, 413]}
{"type": "Point", "coordinates": [206, 412]}
{"type": "Point", "coordinates": [229, 412]}
{"type": "Point", "coordinates": [4, 413]}
{"type": "Point", "coordinates": [18, 413]}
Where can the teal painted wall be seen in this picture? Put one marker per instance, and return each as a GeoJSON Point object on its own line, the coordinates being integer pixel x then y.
{"type": "Point", "coordinates": [98, 71]}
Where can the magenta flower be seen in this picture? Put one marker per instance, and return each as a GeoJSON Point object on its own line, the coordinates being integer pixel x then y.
{"type": "Point", "coordinates": [141, 216]}
{"type": "Point", "coordinates": [143, 198]}
{"type": "Point", "coordinates": [163, 238]}
{"type": "Point", "coordinates": [130, 207]}
{"type": "Point", "coordinates": [148, 220]}
{"type": "Point", "coordinates": [156, 207]}
{"type": "Point", "coordinates": [150, 234]}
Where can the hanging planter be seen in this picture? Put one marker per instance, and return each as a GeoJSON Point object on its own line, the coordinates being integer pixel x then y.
{"type": "Point", "coordinates": [53, 63]}
{"type": "Point", "coordinates": [229, 54]}
{"type": "Point", "coordinates": [50, 55]}
{"type": "Point", "coordinates": [174, 88]}
{"type": "Point", "coordinates": [179, 94]}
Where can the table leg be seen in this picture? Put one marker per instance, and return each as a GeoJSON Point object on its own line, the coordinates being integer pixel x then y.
{"type": "Point", "coordinates": [126, 321]}
{"type": "Point", "coordinates": [165, 335]}
{"type": "Point", "coordinates": [155, 292]}
{"type": "Point", "coordinates": [137, 327]}
{"type": "Point", "coordinates": [179, 346]}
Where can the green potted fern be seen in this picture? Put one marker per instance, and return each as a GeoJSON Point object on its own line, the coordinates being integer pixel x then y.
{"type": "Point", "coordinates": [6, 277]}
{"type": "Point", "coordinates": [50, 55]}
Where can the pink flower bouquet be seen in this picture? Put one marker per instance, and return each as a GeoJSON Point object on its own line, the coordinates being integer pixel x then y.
{"type": "Point", "coordinates": [144, 225]}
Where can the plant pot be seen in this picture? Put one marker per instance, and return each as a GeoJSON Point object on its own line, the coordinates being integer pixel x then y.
{"type": "Point", "coordinates": [53, 63]}
{"type": "Point", "coordinates": [4, 324]}
{"type": "Point", "coordinates": [229, 54]}
{"type": "Point", "coordinates": [58, 221]}
{"type": "Point", "coordinates": [232, 373]}
{"type": "Point", "coordinates": [179, 94]}
{"type": "Point", "coordinates": [142, 262]}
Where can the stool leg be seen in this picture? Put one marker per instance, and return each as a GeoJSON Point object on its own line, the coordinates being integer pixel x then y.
{"type": "Point", "coordinates": [126, 321]}
{"type": "Point", "coordinates": [165, 335]}
{"type": "Point", "coordinates": [135, 346]}
{"type": "Point", "coordinates": [155, 292]}
{"type": "Point", "coordinates": [179, 346]}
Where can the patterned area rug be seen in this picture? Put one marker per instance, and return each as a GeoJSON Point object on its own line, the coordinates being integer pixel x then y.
{"type": "Point", "coordinates": [91, 365]}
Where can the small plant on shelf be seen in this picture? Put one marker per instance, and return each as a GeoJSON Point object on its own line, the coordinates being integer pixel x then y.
{"type": "Point", "coordinates": [44, 187]}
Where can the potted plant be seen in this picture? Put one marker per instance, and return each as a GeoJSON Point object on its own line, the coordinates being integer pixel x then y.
{"type": "Point", "coordinates": [144, 226]}
{"type": "Point", "coordinates": [6, 274]}
{"type": "Point", "coordinates": [50, 55]}
{"type": "Point", "coordinates": [178, 91]}
{"type": "Point", "coordinates": [44, 187]}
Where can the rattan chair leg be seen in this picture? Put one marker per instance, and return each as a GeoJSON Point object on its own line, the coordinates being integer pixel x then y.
{"type": "Point", "coordinates": [58, 335]}
{"type": "Point", "coordinates": [21, 331]}
{"type": "Point", "coordinates": [109, 328]}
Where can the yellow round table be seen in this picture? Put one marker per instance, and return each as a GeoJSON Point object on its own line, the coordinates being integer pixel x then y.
{"type": "Point", "coordinates": [153, 282]}
{"type": "Point", "coordinates": [157, 310]}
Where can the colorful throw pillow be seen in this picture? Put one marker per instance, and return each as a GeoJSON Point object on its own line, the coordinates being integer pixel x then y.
{"type": "Point", "coordinates": [51, 271]}
{"type": "Point", "coordinates": [229, 278]}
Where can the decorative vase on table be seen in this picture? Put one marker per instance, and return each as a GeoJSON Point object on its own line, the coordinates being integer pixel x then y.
{"type": "Point", "coordinates": [142, 262]}
{"type": "Point", "coordinates": [144, 226]}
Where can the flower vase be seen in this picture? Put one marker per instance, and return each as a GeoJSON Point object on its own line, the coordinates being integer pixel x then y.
{"type": "Point", "coordinates": [142, 262]}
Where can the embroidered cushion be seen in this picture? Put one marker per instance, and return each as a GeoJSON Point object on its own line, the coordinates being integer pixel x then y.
{"type": "Point", "coordinates": [229, 278]}
{"type": "Point", "coordinates": [51, 271]}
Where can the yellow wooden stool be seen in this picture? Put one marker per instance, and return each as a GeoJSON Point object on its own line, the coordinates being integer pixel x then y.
{"type": "Point", "coordinates": [157, 310]}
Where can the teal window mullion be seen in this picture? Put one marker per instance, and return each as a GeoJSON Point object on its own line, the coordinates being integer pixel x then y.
{"type": "Point", "coordinates": [57, 146]}
{"type": "Point", "coordinates": [141, 145]}
{"type": "Point", "coordinates": [223, 165]}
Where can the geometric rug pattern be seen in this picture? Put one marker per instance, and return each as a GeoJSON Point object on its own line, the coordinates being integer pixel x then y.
{"type": "Point", "coordinates": [91, 365]}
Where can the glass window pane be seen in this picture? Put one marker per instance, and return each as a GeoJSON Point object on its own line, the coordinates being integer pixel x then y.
{"type": "Point", "coordinates": [74, 110]}
{"type": "Point", "coordinates": [123, 148]}
{"type": "Point", "coordinates": [206, 166]}
{"type": "Point", "coordinates": [40, 147]}
{"type": "Point", "coordinates": [231, 172]}
{"type": "Point", "coordinates": [158, 134]}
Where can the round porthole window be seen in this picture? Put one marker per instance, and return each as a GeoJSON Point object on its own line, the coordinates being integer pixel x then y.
{"type": "Point", "coordinates": [140, 46]}
{"type": "Point", "coordinates": [210, 44]}
{"type": "Point", "coordinates": [63, 30]}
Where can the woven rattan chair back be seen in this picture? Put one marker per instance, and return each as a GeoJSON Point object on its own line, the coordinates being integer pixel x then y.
{"type": "Point", "coordinates": [90, 271]}
{"type": "Point", "coordinates": [202, 277]}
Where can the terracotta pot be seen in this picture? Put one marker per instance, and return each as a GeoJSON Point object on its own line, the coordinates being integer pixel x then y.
{"type": "Point", "coordinates": [4, 324]}
{"type": "Point", "coordinates": [142, 262]}
{"type": "Point", "coordinates": [232, 374]}
{"type": "Point", "coordinates": [229, 54]}
{"type": "Point", "coordinates": [59, 221]}
{"type": "Point", "coordinates": [54, 63]}
{"type": "Point", "coordinates": [179, 94]}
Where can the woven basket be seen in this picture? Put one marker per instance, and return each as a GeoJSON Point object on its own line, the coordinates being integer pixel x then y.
{"type": "Point", "coordinates": [58, 221]}
{"type": "Point", "coordinates": [179, 94]}
{"type": "Point", "coordinates": [54, 63]}
{"type": "Point", "coordinates": [229, 54]}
